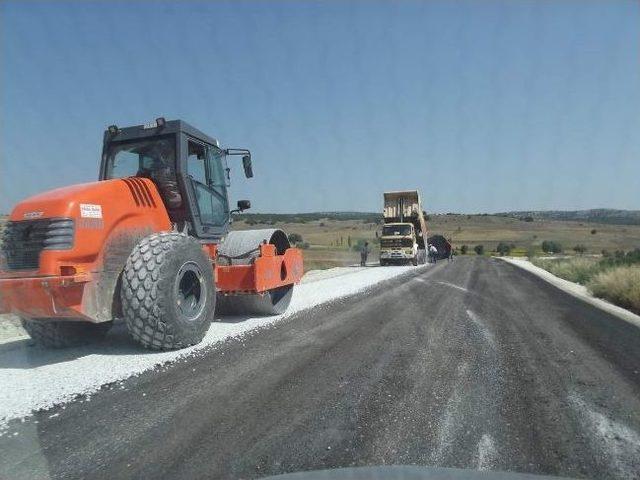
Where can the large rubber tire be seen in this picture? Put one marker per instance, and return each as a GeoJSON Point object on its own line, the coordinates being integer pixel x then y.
{"type": "Point", "coordinates": [168, 292]}
{"type": "Point", "coordinates": [63, 333]}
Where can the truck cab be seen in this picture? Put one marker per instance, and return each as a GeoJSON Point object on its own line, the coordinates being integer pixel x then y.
{"type": "Point", "coordinates": [398, 243]}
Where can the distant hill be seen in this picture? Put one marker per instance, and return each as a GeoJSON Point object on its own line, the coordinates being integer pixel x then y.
{"type": "Point", "coordinates": [597, 215]}
{"type": "Point", "coordinates": [600, 215]}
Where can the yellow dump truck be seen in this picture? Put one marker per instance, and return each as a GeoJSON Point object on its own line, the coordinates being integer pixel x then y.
{"type": "Point", "coordinates": [405, 229]}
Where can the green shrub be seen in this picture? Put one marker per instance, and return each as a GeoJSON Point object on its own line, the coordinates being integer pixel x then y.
{"type": "Point", "coordinates": [549, 246]}
{"type": "Point", "coordinates": [503, 249]}
{"type": "Point", "coordinates": [464, 249]}
{"type": "Point", "coordinates": [579, 249]}
{"type": "Point", "coordinates": [620, 258]}
{"type": "Point", "coordinates": [295, 238]}
{"type": "Point", "coordinates": [579, 270]}
{"type": "Point", "coordinates": [479, 249]}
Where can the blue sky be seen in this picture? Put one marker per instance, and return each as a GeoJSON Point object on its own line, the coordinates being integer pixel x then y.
{"type": "Point", "coordinates": [482, 105]}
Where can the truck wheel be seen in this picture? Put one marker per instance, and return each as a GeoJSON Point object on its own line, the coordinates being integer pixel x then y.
{"type": "Point", "coordinates": [168, 292]}
{"type": "Point", "coordinates": [383, 263]}
{"type": "Point", "coordinates": [64, 333]}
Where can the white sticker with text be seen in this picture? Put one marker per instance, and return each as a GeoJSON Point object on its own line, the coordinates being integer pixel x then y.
{"type": "Point", "coordinates": [88, 210]}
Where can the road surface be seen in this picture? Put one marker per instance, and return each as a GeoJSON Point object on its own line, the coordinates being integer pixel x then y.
{"type": "Point", "coordinates": [474, 364]}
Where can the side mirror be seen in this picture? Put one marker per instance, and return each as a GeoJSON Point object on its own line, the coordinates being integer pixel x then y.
{"type": "Point", "coordinates": [248, 169]}
{"type": "Point", "coordinates": [244, 205]}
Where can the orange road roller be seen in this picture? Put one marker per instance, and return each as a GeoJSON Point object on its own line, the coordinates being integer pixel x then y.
{"type": "Point", "coordinates": [148, 243]}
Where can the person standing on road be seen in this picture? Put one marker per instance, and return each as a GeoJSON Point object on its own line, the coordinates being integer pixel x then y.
{"type": "Point", "coordinates": [364, 253]}
{"type": "Point", "coordinates": [433, 251]}
{"type": "Point", "coordinates": [450, 252]}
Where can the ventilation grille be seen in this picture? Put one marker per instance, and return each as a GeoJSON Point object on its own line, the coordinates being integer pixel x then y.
{"type": "Point", "coordinates": [23, 241]}
{"type": "Point", "coordinates": [140, 192]}
{"type": "Point", "coordinates": [396, 242]}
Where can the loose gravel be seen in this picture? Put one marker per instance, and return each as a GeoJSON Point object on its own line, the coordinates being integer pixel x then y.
{"type": "Point", "coordinates": [34, 378]}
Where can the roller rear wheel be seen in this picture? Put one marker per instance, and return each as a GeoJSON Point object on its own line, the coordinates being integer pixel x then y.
{"type": "Point", "coordinates": [273, 302]}
{"type": "Point", "coordinates": [242, 248]}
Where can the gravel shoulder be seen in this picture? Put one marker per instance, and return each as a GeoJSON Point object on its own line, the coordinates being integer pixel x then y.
{"type": "Point", "coordinates": [41, 378]}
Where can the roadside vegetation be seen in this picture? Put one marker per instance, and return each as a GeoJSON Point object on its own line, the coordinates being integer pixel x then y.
{"type": "Point", "coordinates": [614, 277]}
{"type": "Point", "coordinates": [332, 239]}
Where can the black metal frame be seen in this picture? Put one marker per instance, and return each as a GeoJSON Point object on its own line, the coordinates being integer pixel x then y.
{"type": "Point", "coordinates": [182, 132]}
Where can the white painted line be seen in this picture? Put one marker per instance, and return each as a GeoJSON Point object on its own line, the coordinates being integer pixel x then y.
{"type": "Point", "coordinates": [447, 284]}
{"type": "Point", "coordinates": [575, 290]}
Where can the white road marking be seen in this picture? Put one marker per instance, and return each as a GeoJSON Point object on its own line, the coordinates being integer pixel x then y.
{"type": "Point", "coordinates": [486, 453]}
{"type": "Point", "coordinates": [446, 284]}
{"type": "Point", "coordinates": [618, 443]}
{"type": "Point", "coordinates": [484, 331]}
{"type": "Point", "coordinates": [453, 286]}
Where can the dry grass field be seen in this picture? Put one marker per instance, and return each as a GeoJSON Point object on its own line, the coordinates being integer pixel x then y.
{"type": "Point", "coordinates": [328, 239]}
{"type": "Point", "coordinates": [489, 230]}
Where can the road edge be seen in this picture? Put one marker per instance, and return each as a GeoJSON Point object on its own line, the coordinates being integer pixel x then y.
{"type": "Point", "coordinates": [575, 290]}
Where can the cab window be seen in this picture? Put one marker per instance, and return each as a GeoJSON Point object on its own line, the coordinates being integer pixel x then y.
{"type": "Point", "coordinates": [205, 170]}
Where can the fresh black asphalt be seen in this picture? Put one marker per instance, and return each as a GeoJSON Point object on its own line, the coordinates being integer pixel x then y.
{"type": "Point", "coordinates": [473, 364]}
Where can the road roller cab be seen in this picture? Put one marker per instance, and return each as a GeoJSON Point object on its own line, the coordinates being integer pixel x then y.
{"type": "Point", "coordinates": [148, 243]}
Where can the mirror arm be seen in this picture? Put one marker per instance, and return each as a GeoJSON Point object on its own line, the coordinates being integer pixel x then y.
{"type": "Point", "coordinates": [246, 159]}
{"type": "Point", "coordinates": [237, 151]}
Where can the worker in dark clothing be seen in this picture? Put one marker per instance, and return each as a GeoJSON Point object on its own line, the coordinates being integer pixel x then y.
{"type": "Point", "coordinates": [164, 177]}
{"type": "Point", "coordinates": [364, 253]}
{"type": "Point", "coordinates": [162, 172]}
